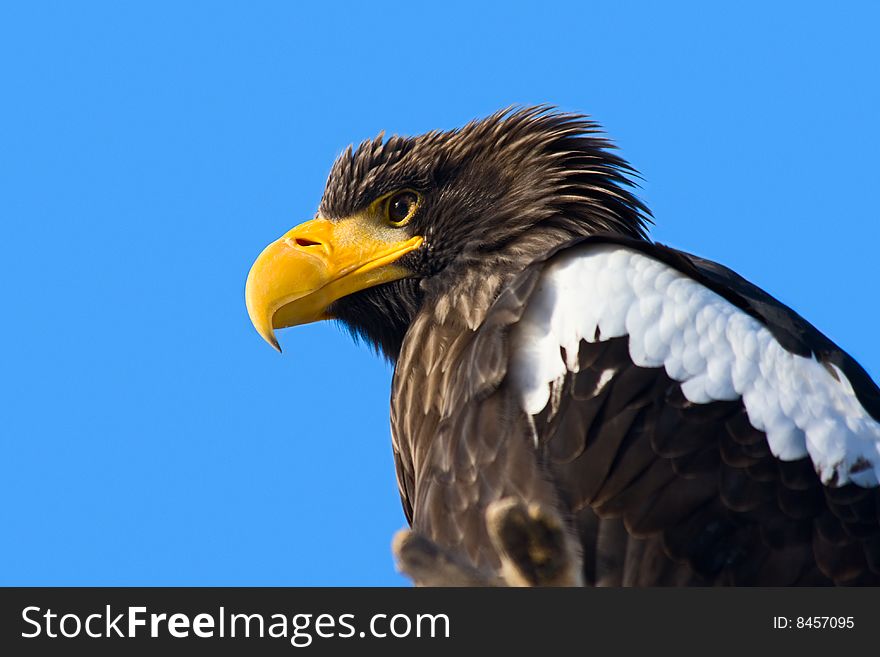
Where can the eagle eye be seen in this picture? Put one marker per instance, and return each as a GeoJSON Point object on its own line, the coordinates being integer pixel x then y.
{"type": "Point", "coordinates": [401, 206]}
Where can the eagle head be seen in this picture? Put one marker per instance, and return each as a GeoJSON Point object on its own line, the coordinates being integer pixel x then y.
{"type": "Point", "coordinates": [405, 218]}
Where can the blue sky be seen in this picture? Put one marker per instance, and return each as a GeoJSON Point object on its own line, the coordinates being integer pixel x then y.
{"type": "Point", "coordinates": [148, 151]}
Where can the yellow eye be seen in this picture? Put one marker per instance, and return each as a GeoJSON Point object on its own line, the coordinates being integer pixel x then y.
{"type": "Point", "coordinates": [401, 207]}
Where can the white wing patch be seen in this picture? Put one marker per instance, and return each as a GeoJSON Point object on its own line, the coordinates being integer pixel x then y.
{"type": "Point", "coordinates": [716, 351]}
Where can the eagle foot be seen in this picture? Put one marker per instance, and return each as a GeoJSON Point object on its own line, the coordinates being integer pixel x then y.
{"type": "Point", "coordinates": [428, 564]}
{"type": "Point", "coordinates": [534, 545]}
{"type": "Point", "coordinates": [532, 542]}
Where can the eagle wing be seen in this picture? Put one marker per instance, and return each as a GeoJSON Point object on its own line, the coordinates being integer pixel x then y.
{"type": "Point", "coordinates": [692, 428]}
{"type": "Point", "coordinates": [730, 439]}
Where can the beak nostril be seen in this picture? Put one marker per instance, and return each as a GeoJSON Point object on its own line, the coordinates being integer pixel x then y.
{"type": "Point", "coordinates": [305, 242]}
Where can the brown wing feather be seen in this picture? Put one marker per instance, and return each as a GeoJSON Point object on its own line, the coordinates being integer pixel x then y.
{"type": "Point", "coordinates": [700, 477]}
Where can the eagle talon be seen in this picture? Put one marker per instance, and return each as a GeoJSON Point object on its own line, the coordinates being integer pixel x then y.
{"type": "Point", "coordinates": [534, 545]}
{"type": "Point", "coordinates": [428, 564]}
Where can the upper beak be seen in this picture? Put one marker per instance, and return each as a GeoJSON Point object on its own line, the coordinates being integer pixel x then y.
{"type": "Point", "coordinates": [296, 278]}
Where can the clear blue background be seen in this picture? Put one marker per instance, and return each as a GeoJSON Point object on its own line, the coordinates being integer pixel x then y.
{"type": "Point", "coordinates": [148, 151]}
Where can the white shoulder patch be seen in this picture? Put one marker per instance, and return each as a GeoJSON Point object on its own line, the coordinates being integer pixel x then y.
{"type": "Point", "coordinates": [716, 351]}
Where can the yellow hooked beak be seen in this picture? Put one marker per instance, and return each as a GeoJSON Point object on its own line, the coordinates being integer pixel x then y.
{"type": "Point", "coordinates": [296, 278]}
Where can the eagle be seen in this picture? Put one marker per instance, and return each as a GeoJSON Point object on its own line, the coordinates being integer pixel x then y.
{"type": "Point", "coordinates": [573, 403]}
